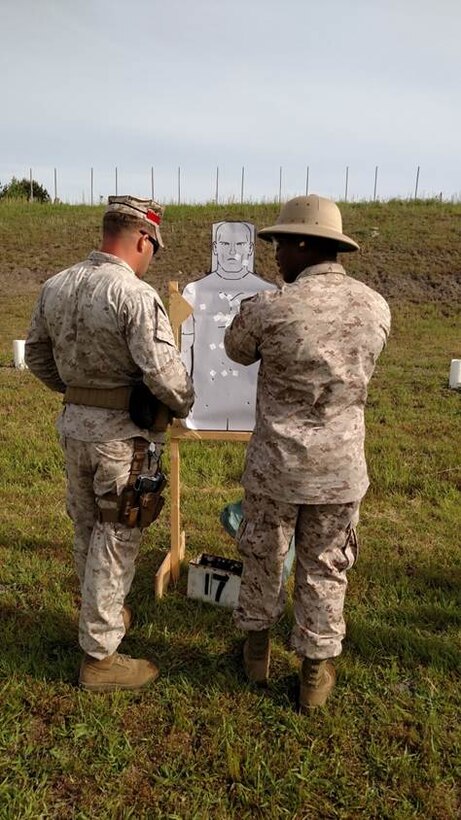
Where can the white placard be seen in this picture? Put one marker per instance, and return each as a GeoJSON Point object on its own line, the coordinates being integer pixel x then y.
{"type": "Point", "coordinates": [215, 580]}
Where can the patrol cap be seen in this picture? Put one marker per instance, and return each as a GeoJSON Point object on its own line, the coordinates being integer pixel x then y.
{"type": "Point", "coordinates": [311, 216]}
{"type": "Point", "coordinates": [148, 210]}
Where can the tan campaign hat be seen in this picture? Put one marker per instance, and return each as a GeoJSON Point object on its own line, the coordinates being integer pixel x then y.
{"type": "Point", "coordinates": [146, 209]}
{"type": "Point", "coordinates": [311, 216]}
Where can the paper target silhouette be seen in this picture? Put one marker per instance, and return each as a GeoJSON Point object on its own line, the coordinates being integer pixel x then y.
{"type": "Point", "coordinates": [225, 391]}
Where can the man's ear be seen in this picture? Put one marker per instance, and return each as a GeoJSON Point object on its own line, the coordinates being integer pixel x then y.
{"type": "Point", "coordinates": [140, 242]}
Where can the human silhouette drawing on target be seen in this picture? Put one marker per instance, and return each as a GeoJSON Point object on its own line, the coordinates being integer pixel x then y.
{"type": "Point", "coordinates": [225, 391]}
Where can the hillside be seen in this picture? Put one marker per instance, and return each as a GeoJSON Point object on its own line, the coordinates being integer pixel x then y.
{"type": "Point", "coordinates": [410, 251]}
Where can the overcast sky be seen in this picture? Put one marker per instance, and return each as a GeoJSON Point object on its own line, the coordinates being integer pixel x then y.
{"type": "Point", "coordinates": [206, 83]}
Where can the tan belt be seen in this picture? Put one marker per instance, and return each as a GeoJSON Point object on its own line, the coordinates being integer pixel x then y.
{"type": "Point", "coordinates": [115, 398]}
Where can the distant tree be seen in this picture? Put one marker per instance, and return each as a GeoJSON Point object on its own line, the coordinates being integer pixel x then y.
{"type": "Point", "coordinates": [20, 189]}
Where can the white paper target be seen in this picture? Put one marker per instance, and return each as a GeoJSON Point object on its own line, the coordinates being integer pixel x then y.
{"type": "Point", "coordinates": [225, 391]}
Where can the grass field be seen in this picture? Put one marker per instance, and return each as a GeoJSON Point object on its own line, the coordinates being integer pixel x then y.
{"type": "Point", "coordinates": [203, 743]}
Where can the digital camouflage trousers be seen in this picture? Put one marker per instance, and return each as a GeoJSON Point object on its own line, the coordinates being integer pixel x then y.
{"type": "Point", "coordinates": [105, 553]}
{"type": "Point", "coordinates": [326, 548]}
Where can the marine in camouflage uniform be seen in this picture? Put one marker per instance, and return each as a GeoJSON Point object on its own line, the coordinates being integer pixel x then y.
{"type": "Point", "coordinates": [96, 331]}
{"type": "Point", "coordinates": [318, 339]}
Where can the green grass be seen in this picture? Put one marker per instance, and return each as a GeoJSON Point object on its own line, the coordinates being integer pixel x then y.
{"type": "Point", "coordinates": [203, 743]}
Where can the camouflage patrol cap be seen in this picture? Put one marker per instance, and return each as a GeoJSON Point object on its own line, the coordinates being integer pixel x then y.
{"type": "Point", "coordinates": [148, 210]}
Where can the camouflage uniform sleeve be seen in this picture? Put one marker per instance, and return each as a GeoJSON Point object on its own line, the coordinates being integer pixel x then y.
{"type": "Point", "coordinates": [39, 351]}
{"type": "Point", "coordinates": [152, 347]}
{"type": "Point", "coordinates": [241, 339]}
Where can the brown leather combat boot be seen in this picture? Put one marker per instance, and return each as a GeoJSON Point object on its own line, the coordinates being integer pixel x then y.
{"type": "Point", "coordinates": [317, 679]}
{"type": "Point", "coordinates": [256, 656]}
{"type": "Point", "coordinates": [116, 672]}
{"type": "Point", "coordinates": [127, 615]}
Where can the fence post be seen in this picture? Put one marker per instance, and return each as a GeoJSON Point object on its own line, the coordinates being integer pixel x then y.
{"type": "Point", "coordinates": [91, 187]}
{"type": "Point", "coordinates": [152, 187]}
{"type": "Point", "coordinates": [55, 185]}
{"type": "Point", "coordinates": [242, 184]}
{"type": "Point", "coordinates": [31, 184]}
{"type": "Point", "coordinates": [217, 185]}
{"type": "Point", "coordinates": [416, 183]}
{"type": "Point", "coordinates": [280, 186]}
{"type": "Point", "coordinates": [179, 184]}
{"type": "Point", "coordinates": [376, 184]}
{"type": "Point", "coordinates": [116, 181]}
{"type": "Point", "coordinates": [346, 184]}
{"type": "Point", "coordinates": [307, 181]}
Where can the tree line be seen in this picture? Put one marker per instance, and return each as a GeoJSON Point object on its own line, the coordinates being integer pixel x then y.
{"type": "Point", "coordinates": [24, 189]}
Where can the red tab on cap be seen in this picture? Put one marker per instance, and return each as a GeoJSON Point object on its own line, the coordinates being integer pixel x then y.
{"type": "Point", "coordinates": [153, 217]}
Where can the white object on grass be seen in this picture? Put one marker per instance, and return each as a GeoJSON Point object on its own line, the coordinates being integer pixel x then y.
{"type": "Point", "coordinates": [454, 380]}
{"type": "Point", "coordinates": [19, 349]}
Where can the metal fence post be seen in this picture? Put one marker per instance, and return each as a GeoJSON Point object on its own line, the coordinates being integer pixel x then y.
{"type": "Point", "coordinates": [376, 183]}
{"type": "Point", "coordinates": [417, 183]}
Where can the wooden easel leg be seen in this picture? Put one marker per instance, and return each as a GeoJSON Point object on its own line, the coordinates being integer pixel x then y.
{"type": "Point", "coordinates": [169, 568]}
{"type": "Point", "coordinates": [162, 576]}
{"type": "Point", "coordinates": [175, 510]}
{"type": "Point", "coordinates": [164, 572]}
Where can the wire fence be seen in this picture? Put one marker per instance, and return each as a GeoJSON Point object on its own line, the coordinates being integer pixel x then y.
{"type": "Point", "coordinates": [58, 185]}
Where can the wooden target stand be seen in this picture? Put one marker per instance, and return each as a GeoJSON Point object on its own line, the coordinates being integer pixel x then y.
{"type": "Point", "coordinates": [179, 310]}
